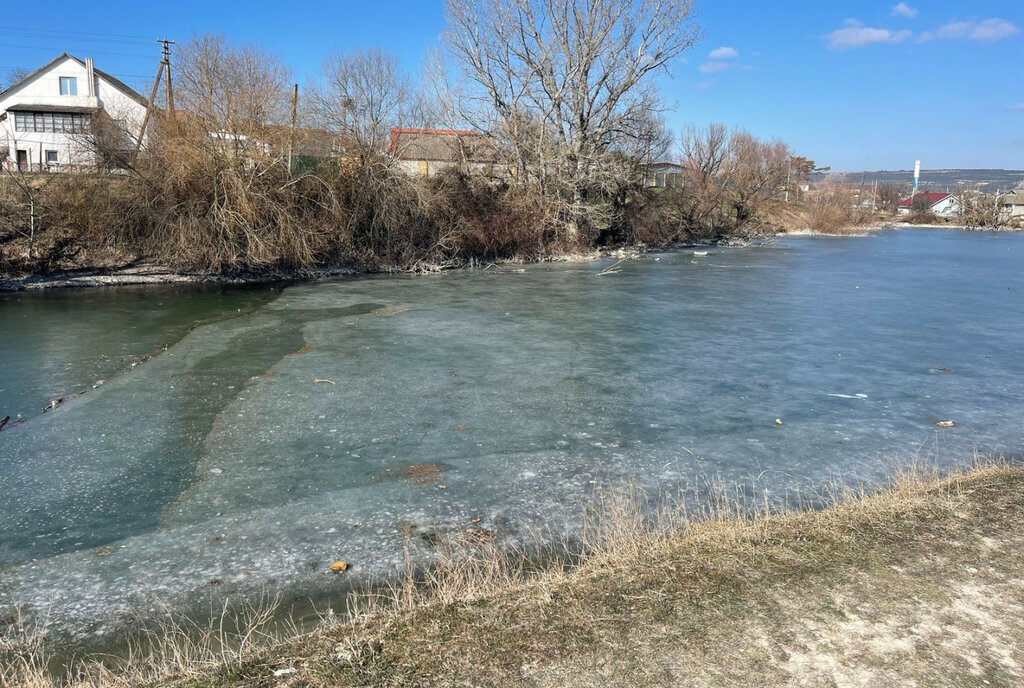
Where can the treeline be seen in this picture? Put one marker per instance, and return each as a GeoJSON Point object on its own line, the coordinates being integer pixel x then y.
{"type": "Point", "coordinates": [245, 176]}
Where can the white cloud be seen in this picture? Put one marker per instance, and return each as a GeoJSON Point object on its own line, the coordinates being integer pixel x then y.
{"type": "Point", "coordinates": [904, 10]}
{"type": "Point", "coordinates": [949, 32]}
{"type": "Point", "coordinates": [856, 35]}
{"type": "Point", "coordinates": [987, 31]}
{"type": "Point", "coordinates": [992, 30]}
{"type": "Point", "coordinates": [712, 67]}
{"type": "Point", "coordinates": [723, 53]}
{"type": "Point", "coordinates": [703, 85]}
{"type": "Point", "coordinates": [1018, 106]}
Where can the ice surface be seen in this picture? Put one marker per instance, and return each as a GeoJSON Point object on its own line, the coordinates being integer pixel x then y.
{"type": "Point", "coordinates": [353, 419]}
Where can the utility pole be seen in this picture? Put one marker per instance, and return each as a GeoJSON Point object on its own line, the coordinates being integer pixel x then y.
{"type": "Point", "coordinates": [291, 132]}
{"type": "Point", "coordinates": [164, 70]}
{"type": "Point", "coordinates": [166, 62]}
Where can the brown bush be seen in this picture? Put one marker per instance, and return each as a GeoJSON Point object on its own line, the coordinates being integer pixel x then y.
{"type": "Point", "coordinates": [923, 217]}
{"type": "Point", "coordinates": [477, 219]}
{"type": "Point", "coordinates": [833, 208]}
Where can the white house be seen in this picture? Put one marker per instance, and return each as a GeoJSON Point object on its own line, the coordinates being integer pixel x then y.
{"type": "Point", "coordinates": [663, 175]}
{"type": "Point", "coordinates": [51, 119]}
{"type": "Point", "coordinates": [1013, 202]}
{"type": "Point", "coordinates": [936, 202]}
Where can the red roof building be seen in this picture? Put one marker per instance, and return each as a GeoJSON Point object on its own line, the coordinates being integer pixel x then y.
{"type": "Point", "coordinates": [937, 202]}
{"type": "Point", "coordinates": [428, 151]}
{"type": "Point", "coordinates": [932, 197]}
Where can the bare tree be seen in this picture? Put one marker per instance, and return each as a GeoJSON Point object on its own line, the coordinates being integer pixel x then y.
{"type": "Point", "coordinates": [705, 154]}
{"type": "Point", "coordinates": [33, 189]}
{"type": "Point", "coordinates": [979, 210]}
{"type": "Point", "coordinates": [889, 195]}
{"type": "Point", "coordinates": [568, 81]}
{"type": "Point", "coordinates": [729, 177]}
{"type": "Point", "coordinates": [760, 172]}
{"type": "Point", "coordinates": [362, 95]}
{"type": "Point", "coordinates": [15, 75]}
{"type": "Point", "coordinates": [231, 92]}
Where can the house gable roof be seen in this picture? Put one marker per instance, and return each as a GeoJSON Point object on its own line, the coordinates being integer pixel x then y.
{"type": "Point", "coordinates": [442, 145]}
{"type": "Point", "coordinates": [932, 197]}
{"type": "Point", "coordinates": [116, 83]}
{"type": "Point", "coordinates": [664, 167]}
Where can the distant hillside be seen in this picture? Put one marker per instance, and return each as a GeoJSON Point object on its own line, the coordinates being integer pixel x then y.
{"type": "Point", "coordinates": [935, 180]}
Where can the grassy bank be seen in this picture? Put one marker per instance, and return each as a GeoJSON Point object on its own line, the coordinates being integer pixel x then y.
{"type": "Point", "coordinates": [920, 584]}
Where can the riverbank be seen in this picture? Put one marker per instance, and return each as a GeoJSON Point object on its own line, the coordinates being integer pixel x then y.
{"type": "Point", "coordinates": [154, 274]}
{"type": "Point", "coordinates": [919, 584]}
{"type": "Point", "coordinates": [144, 274]}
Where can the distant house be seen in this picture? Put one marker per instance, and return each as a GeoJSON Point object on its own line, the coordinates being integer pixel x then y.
{"type": "Point", "coordinates": [936, 202]}
{"type": "Point", "coordinates": [305, 142]}
{"type": "Point", "coordinates": [1013, 203]}
{"type": "Point", "coordinates": [51, 119]}
{"type": "Point", "coordinates": [663, 175]}
{"type": "Point", "coordinates": [426, 152]}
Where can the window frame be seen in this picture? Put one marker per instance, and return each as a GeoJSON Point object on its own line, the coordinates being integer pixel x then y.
{"type": "Point", "coordinates": [27, 121]}
{"type": "Point", "coordinates": [72, 84]}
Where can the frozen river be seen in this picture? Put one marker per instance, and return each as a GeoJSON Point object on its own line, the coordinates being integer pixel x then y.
{"type": "Point", "coordinates": [284, 428]}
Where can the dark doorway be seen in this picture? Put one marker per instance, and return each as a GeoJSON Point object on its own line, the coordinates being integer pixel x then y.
{"type": "Point", "coordinates": [22, 161]}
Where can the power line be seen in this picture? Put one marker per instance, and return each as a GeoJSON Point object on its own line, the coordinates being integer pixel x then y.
{"type": "Point", "coordinates": [70, 39]}
{"type": "Point", "coordinates": [117, 74]}
{"type": "Point", "coordinates": [63, 49]}
{"type": "Point", "coordinates": [4, 29]}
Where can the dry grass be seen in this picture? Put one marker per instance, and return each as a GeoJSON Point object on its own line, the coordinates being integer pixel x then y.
{"type": "Point", "coordinates": [832, 209]}
{"type": "Point", "coordinates": [919, 584]}
{"type": "Point", "coordinates": [169, 646]}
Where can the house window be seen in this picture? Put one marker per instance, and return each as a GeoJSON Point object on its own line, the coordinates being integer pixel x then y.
{"type": "Point", "coordinates": [69, 85]}
{"type": "Point", "coordinates": [51, 157]}
{"type": "Point", "coordinates": [55, 122]}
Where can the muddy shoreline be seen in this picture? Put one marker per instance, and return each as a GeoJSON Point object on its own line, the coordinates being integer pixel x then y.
{"type": "Point", "coordinates": [157, 274]}
{"type": "Point", "coordinates": [146, 274]}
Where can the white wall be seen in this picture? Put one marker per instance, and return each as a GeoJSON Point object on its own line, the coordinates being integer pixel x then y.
{"type": "Point", "coordinates": [947, 206]}
{"type": "Point", "coordinates": [44, 90]}
{"type": "Point", "coordinates": [425, 168]}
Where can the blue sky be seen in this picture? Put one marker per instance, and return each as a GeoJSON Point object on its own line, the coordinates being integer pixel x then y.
{"type": "Point", "coordinates": [854, 85]}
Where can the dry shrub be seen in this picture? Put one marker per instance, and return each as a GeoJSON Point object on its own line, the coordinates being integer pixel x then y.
{"type": "Point", "coordinates": [923, 217]}
{"type": "Point", "coordinates": [651, 218]}
{"type": "Point", "coordinates": [199, 205]}
{"type": "Point", "coordinates": [384, 212]}
{"type": "Point", "coordinates": [832, 208]}
{"type": "Point", "coordinates": [74, 219]}
{"type": "Point", "coordinates": [480, 220]}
